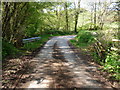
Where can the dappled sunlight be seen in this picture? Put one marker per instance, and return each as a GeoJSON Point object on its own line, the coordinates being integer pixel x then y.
{"type": "Point", "coordinates": [53, 44]}
{"type": "Point", "coordinates": [39, 83]}
{"type": "Point", "coordinates": [54, 74]}
{"type": "Point", "coordinates": [59, 67]}
{"type": "Point", "coordinates": [34, 84]}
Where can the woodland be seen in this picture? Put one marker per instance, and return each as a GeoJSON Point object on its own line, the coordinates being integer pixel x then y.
{"type": "Point", "coordinates": [96, 28]}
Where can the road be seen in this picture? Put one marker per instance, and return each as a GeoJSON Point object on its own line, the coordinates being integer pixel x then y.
{"type": "Point", "coordinates": [57, 66]}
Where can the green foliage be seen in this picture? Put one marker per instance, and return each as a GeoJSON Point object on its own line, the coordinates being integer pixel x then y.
{"type": "Point", "coordinates": [89, 26]}
{"type": "Point", "coordinates": [35, 20]}
{"type": "Point", "coordinates": [112, 64]}
{"type": "Point", "coordinates": [8, 50]}
{"type": "Point", "coordinates": [32, 45]}
{"type": "Point", "coordinates": [75, 43]}
{"type": "Point", "coordinates": [31, 30]}
{"type": "Point", "coordinates": [96, 57]}
{"type": "Point", "coordinates": [84, 38]}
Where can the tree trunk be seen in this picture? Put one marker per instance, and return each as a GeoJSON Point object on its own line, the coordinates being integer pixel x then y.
{"type": "Point", "coordinates": [77, 11]}
{"type": "Point", "coordinates": [66, 16]}
{"type": "Point", "coordinates": [76, 22]}
{"type": "Point", "coordinates": [95, 16]}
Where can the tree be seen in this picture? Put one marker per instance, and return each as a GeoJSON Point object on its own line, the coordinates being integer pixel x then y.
{"type": "Point", "coordinates": [77, 11]}
{"type": "Point", "coordinates": [13, 18]}
{"type": "Point", "coordinates": [21, 19]}
{"type": "Point", "coordinates": [66, 15]}
{"type": "Point", "coordinates": [103, 11]}
{"type": "Point", "coordinates": [95, 14]}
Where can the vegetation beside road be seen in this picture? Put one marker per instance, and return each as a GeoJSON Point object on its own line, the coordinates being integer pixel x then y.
{"type": "Point", "coordinates": [101, 52]}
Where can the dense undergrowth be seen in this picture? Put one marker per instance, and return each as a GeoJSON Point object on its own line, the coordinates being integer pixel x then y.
{"type": "Point", "coordinates": [111, 63]}
{"type": "Point", "coordinates": [84, 38]}
{"type": "Point", "coordinates": [10, 51]}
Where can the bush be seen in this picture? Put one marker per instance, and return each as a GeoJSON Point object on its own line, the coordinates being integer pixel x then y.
{"type": "Point", "coordinates": [8, 49]}
{"type": "Point", "coordinates": [112, 64]}
{"type": "Point", "coordinates": [32, 45]}
{"type": "Point", "coordinates": [84, 38]}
